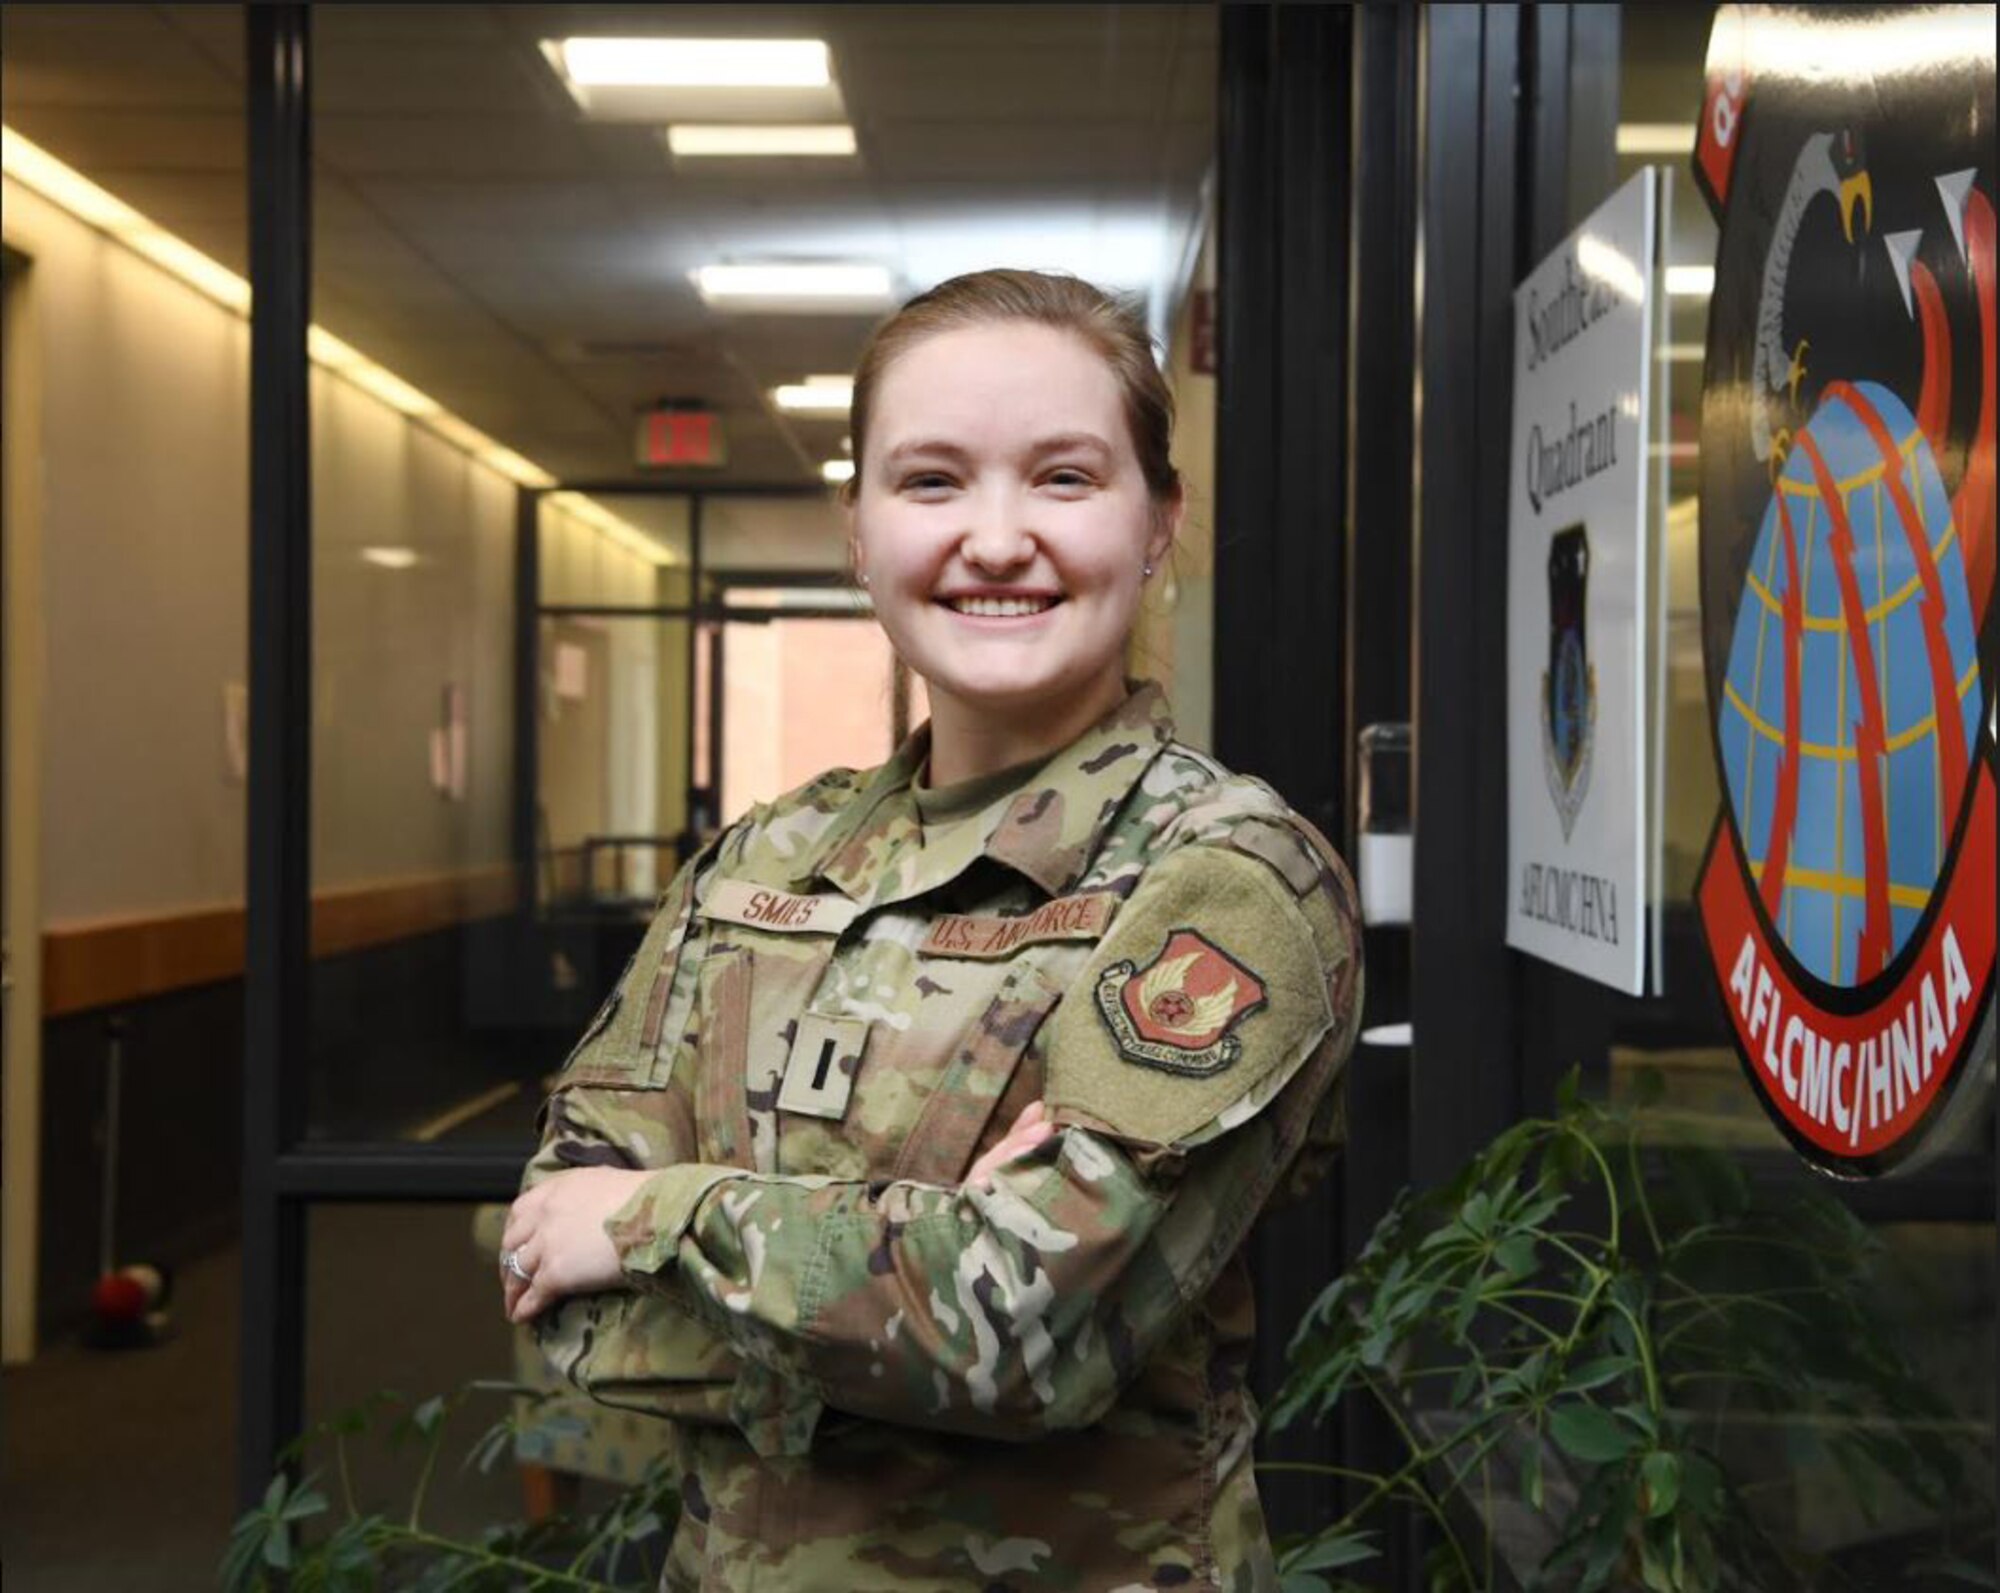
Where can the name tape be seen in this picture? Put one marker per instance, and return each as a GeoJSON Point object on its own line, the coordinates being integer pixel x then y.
{"type": "Point", "coordinates": [736, 901]}
{"type": "Point", "coordinates": [1066, 918]}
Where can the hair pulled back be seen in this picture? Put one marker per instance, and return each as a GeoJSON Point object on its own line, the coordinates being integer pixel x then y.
{"type": "Point", "coordinates": [1109, 326]}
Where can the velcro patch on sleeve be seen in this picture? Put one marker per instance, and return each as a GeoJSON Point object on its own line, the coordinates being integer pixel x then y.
{"type": "Point", "coordinates": [1283, 848]}
{"type": "Point", "coordinates": [1210, 989]}
{"type": "Point", "coordinates": [1082, 917]}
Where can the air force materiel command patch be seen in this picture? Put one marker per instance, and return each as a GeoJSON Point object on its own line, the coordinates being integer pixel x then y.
{"type": "Point", "coordinates": [1177, 1012]}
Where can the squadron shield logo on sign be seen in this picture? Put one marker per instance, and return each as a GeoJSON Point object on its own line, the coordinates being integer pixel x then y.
{"type": "Point", "coordinates": [1176, 1013]}
{"type": "Point", "coordinates": [1569, 684]}
{"type": "Point", "coordinates": [1847, 526]}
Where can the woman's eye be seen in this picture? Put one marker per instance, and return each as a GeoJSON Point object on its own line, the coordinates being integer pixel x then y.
{"type": "Point", "coordinates": [926, 481]}
{"type": "Point", "coordinates": [1068, 478]}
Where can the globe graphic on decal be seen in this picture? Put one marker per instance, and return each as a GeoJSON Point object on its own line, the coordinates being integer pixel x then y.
{"type": "Point", "coordinates": [1851, 706]}
{"type": "Point", "coordinates": [1569, 713]}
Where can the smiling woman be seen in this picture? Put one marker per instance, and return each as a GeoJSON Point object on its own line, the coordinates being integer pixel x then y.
{"type": "Point", "coordinates": [1012, 494]}
{"type": "Point", "coordinates": [940, 1097]}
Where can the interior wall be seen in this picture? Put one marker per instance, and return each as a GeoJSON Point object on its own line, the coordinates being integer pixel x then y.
{"type": "Point", "coordinates": [1174, 641]}
{"type": "Point", "coordinates": [389, 644]}
{"type": "Point", "coordinates": [143, 400]}
{"type": "Point", "coordinates": [144, 518]}
{"type": "Point", "coordinates": [774, 534]}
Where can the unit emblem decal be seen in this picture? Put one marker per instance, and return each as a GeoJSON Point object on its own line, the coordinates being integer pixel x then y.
{"type": "Point", "coordinates": [1179, 1011]}
{"type": "Point", "coordinates": [1569, 684]}
{"type": "Point", "coordinates": [1846, 564]}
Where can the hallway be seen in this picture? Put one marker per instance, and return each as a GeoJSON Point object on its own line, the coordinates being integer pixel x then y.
{"type": "Point", "coordinates": [120, 1461]}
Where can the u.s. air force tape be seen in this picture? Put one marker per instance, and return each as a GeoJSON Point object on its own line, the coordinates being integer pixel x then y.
{"type": "Point", "coordinates": [1081, 917]}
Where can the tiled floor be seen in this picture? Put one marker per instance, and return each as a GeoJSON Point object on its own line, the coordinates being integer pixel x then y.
{"type": "Point", "coordinates": [119, 1469]}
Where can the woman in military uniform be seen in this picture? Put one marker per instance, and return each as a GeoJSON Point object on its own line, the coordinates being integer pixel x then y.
{"type": "Point", "coordinates": [909, 1166]}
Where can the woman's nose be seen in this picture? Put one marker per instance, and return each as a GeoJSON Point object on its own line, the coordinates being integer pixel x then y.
{"type": "Point", "coordinates": [999, 537]}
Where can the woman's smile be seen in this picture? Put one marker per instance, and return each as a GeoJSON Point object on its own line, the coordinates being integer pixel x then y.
{"type": "Point", "coordinates": [1008, 609]}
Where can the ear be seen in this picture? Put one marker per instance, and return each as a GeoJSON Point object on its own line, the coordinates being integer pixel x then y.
{"type": "Point", "coordinates": [1167, 518]}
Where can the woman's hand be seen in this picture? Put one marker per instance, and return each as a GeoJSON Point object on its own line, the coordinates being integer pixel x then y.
{"type": "Point", "coordinates": [555, 1234]}
{"type": "Point", "coordinates": [1031, 1129]}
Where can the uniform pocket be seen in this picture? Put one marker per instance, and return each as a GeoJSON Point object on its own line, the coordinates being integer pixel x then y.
{"type": "Point", "coordinates": [621, 1047]}
{"type": "Point", "coordinates": [954, 1118]}
{"type": "Point", "coordinates": [749, 1000]}
{"type": "Point", "coordinates": [721, 1104]}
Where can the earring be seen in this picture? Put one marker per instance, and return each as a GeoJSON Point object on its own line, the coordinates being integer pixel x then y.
{"type": "Point", "coordinates": [864, 577]}
{"type": "Point", "coordinates": [1147, 571]}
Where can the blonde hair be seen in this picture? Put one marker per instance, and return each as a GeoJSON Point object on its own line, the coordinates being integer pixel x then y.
{"type": "Point", "coordinates": [1111, 328]}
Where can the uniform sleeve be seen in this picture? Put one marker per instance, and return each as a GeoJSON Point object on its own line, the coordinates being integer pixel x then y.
{"type": "Point", "coordinates": [1184, 1069]}
{"type": "Point", "coordinates": [618, 1105]}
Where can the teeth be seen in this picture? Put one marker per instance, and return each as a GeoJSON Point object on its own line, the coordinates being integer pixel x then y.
{"type": "Point", "coordinates": [1002, 607]}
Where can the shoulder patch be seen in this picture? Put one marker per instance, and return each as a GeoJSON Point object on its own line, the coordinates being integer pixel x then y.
{"type": "Point", "coordinates": [1175, 1012]}
{"type": "Point", "coordinates": [1208, 993]}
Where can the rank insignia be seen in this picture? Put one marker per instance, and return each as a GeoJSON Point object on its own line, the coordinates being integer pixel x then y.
{"type": "Point", "coordinates": [1176, 1013]}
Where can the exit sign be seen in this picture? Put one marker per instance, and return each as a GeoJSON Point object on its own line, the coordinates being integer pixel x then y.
{"type": "Point", "coordinates": [672, 438]}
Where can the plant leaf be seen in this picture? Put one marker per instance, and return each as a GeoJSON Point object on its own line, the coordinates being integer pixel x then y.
{"type": "Point", "coordinates": [1596, 1373]}
{"type": "Point", "coordinates": [1660, 1473]}
{"type": "Point", "coordinates": [1329, 1553]}
{"type": "Point", "coordinates": [1588, 1432]}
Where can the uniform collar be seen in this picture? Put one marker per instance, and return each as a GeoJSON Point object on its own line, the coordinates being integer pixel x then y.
{"type": "Point", "coordinates": [1049, 830]}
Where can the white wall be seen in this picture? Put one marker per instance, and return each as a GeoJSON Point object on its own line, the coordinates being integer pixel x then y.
{"type": "Point", "coordinates": [143, 398]}
{"type": "Point", "coordinates": [387, 643]}
{"type": "Point", "coordinates": [774, 534]}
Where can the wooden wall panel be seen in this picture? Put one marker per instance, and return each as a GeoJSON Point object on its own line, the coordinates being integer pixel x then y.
{"type": "Point", "coordinates": [104, 963]}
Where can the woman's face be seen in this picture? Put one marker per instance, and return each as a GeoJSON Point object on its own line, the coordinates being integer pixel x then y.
{"type": "Point", "coordinates": [1002, 520]}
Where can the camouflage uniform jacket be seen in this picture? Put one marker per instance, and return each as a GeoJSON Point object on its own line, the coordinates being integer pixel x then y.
{"type": "Point", "coordinates": [879, 1378]}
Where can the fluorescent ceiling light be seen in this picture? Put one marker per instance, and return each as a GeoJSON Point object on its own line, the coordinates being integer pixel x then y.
{"type": "Point", "coordinates": [837, 470]}
{"type": "Point", "coordinates": [816, 395]}
{"type": "Point", "coordinates": [70, 191]}
{"type": "Point", "coordinates": [193, 267]}
{"type": "Point", "coordinates": [686, 139]}
{"type": "Point", "coordinates": [858, 285]}
{"type": "Point", "coordinates": [34, 168]}
{"type": "Point", "coordinates": [390, 388]}
{"type": "Point", "coordinates": [516, 469]}
{"type": "Point", "coordinates": [1691, 281]}
{"type": "Point", "coordinates": [32, 165]}
{"type": "Point", "coordinates": [695, 63]}
{"type": "Point", "coordinates": [1683, 353]}
{"type": "Point", "coordinates": [1656, 138]}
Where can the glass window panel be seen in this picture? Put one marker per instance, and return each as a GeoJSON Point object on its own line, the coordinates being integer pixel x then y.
{"type": "Point", "coordinates": [612, 747]}
{"type": "Point", "coordinates": [433, 1269]}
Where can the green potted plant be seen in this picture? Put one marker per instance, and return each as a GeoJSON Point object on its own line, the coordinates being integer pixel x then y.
{"type": "Point", "coordinates": [298, 1539]}
{"type": "Point", "coordinates": [1562, 1336]}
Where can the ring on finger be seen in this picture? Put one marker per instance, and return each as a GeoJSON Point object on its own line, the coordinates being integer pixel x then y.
{"type": "Point", "coordinates": [510, 1261]}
